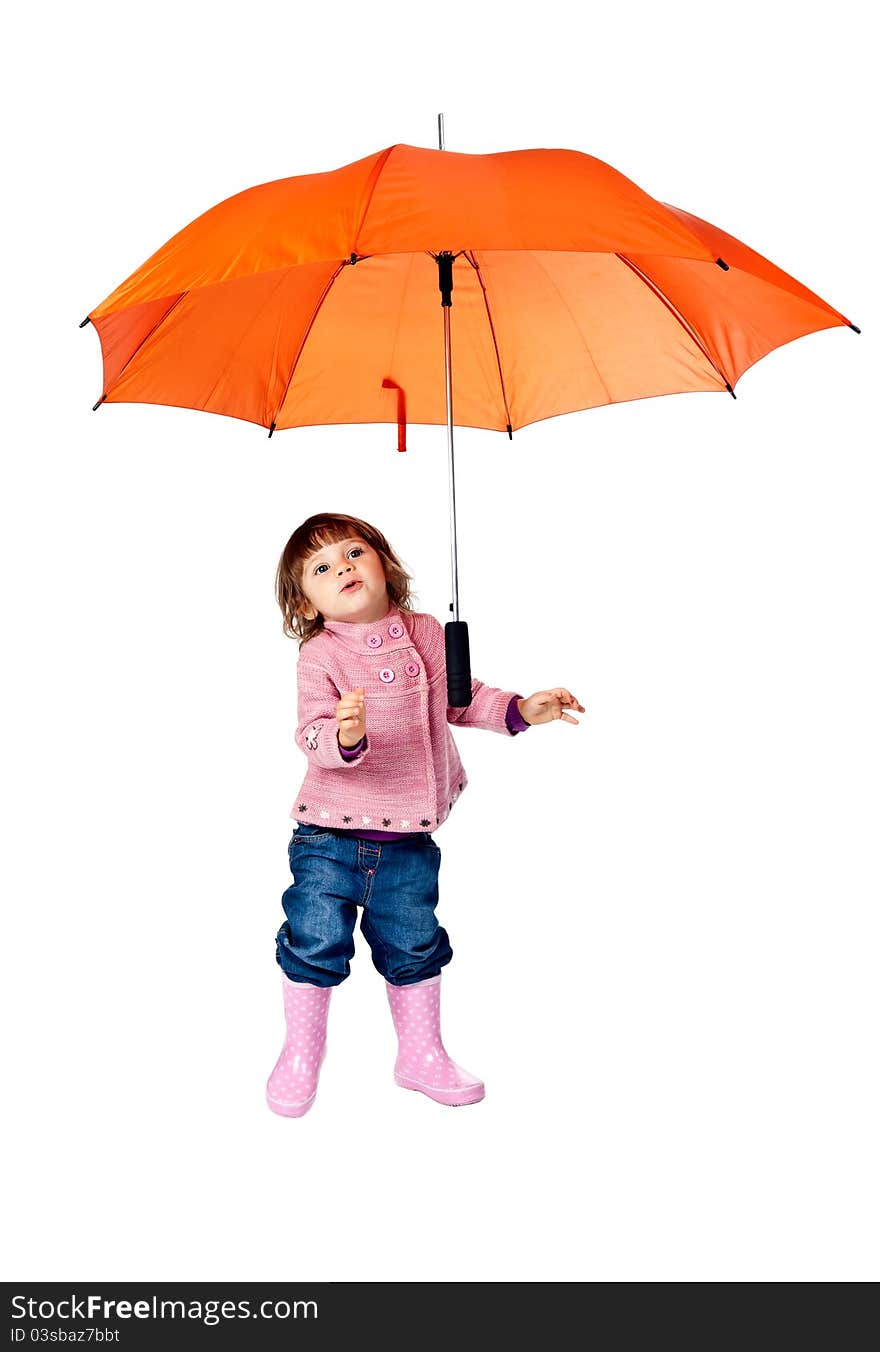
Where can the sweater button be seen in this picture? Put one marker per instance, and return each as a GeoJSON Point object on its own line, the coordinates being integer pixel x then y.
{"type": "Point", "coordinates": [412, 668]}
{"type": "Point", "coordinates": [386, 674]}
{"type": "Point", "coordinates": [374, 641]}
{"type": "Point", "coordinates": [396, 630]}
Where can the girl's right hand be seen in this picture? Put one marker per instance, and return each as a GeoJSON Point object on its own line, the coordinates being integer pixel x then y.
{"type": "Point", "coordinates": [351, 718]}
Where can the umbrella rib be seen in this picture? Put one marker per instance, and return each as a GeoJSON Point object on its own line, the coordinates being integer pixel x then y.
{"type": "Point", "coordinates": [652, 286]}
{"type": "Point", "coordinates": [323, 296]}
{"type": "Point", "coordinates": [472, 259]}
{"type": "Point", "coordinates": [145, 339]}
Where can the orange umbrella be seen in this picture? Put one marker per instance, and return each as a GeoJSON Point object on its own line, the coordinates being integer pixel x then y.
{"type": "Point", "coordinates": [314, 300]}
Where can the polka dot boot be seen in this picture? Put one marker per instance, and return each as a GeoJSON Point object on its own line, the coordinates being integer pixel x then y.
{"type": "Point", "coordinates": [422, 1061]}
{"type": "Point", "coordinates": [293, 1083]}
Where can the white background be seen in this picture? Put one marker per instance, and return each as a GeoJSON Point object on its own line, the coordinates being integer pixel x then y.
{"type": "Point", "coordinates": [665, 918]}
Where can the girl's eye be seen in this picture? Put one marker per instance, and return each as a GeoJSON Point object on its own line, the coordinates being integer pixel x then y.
{"type": "Point", "coordinates": [356, 549]}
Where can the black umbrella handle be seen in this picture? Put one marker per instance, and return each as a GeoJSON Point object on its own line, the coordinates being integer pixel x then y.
{"type": "Point", "coordinates": [458, 664]}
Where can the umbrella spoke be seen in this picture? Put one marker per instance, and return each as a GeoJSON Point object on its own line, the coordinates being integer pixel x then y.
{"type": "Point", "coordinates": [471, 258]}
{"type": "Point", "coordinates": [348, 262]}
{"type": "Point", "coordinates": [652, 286]}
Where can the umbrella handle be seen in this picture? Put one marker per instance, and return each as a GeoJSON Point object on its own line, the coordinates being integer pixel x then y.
{"type": "Point", "coordinates": [458, 664]}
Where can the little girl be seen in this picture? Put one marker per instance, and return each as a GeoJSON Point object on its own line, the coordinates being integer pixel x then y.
{"type": "Point", "coordinates": [383, 774]}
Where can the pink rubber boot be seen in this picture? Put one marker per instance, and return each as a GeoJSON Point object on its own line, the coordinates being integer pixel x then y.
{"type": "Point", "coordinates": [293, 1083]}
{"type": "Point", "coordinates": [422, 1060]}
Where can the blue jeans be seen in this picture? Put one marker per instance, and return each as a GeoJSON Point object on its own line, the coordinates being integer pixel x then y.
{"type": "Point", "coordinates": [395, 882]}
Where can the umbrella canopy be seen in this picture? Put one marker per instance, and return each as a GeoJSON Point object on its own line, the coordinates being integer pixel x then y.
{"type": "Point", "coordinates": [315, 299]}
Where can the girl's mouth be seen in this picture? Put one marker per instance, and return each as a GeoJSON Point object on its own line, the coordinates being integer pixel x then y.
{"type": "Point", "coordinates": [352, 586]}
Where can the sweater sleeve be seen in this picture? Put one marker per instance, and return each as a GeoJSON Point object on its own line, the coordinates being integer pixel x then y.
{"type": "Point", "coordinates": [487, 710]}
{"type": "Point", "coordinates": [489, 706]}
{"type": "Point", "coordinates": [316, 720]}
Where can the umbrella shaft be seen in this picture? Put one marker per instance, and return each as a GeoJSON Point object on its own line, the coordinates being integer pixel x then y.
{"type": "Point", "coordinates": [447, 341]}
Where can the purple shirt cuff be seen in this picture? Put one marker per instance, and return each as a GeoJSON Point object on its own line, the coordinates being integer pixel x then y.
{"type": "Point", "coordinates": [513, 717]}
{"type": "Point", "coordinates": [349, 752]}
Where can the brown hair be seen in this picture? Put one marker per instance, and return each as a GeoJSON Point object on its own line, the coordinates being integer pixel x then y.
{"type": "Point", "coordinates": [327, 528]}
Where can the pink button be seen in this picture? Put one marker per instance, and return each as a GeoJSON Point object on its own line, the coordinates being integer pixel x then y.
{"type": "Point", "coordinates": [375, 641]}
{"type": "Point", "coordinates": [396, 630]}
{"type": "Point", "coordinates": [412, 668]}
{"type": "Point", "coordinates": [386, 674]}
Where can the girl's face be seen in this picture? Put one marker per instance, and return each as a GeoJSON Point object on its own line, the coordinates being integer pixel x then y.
{"type": "Point", "coordinates": [327, 577]}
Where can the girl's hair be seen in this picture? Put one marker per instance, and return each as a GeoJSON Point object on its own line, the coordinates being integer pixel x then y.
{"type": "Point", "coordinates": [325, 529]}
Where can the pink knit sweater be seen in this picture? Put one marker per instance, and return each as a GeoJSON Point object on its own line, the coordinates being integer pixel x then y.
{"type": "Point", "coordinates": [408, 773]}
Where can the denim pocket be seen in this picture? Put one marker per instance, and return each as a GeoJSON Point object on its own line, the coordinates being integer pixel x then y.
{"type": "Point", "coordinates": [309, 832]}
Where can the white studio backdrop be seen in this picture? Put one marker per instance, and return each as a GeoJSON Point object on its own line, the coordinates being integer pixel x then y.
{"type": "Point", "coordinates": [665, 918]}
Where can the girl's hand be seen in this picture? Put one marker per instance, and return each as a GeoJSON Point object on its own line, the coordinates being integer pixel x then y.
{"type": "Point", "coordinates": [351, 719]}
{"type": "Point", "coordinates": [546, 705]}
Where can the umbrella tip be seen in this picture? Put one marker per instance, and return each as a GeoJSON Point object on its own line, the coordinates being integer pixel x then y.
{"type": "Point", "coordinates": [730, 389]}
{"type": "Point", "coordinates": [85, 321]}
{"type": "Point", "coordinates": [855, 328]}
{"type": "Point", "coordinates": [271, 430]}
{"type": "Point", "coordinates": [95, 407]}
{"type": "Point", "coordinates": [721, 263]}
{"type": "Point", "coordinates": [510, 431]}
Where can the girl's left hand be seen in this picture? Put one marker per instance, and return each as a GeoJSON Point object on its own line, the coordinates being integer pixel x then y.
{"type": "Point", "coordinates": [546, 705]}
